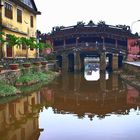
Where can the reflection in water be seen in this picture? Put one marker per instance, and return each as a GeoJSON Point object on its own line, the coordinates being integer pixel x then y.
{"type": "Point", "coordinates": [94, 75]}
{"type": "Point", "coordinates": [90, 110]}
{"type": "Point", "coordinates": [92, 71]}
{"type": "Point", "coordinates": [19, 119]}
{"type": "Point", "coordinates": [74, 108]}
{"type": "Point", "coordinates": [75, 95]}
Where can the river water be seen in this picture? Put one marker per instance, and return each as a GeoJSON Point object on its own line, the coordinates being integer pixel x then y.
{"type": "Point", "coordinates": [87, 106]}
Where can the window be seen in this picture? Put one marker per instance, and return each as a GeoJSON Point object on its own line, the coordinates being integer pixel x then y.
{"type": "Point", "coordinates": [19, 15]}
{"type": "Point", "coordinates": [32, 21]}
{"type": "Point", "coordinates": [8, 10]}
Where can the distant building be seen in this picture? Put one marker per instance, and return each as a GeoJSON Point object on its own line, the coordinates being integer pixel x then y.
{"type": "Point", "coordinates": [19, 19]}
{"type": "Point", "coordinates": [133, 49]}
{"type": "Point", "coordinates": [45, 38]}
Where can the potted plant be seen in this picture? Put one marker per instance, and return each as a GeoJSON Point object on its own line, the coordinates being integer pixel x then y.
{"type": "Point", "coordinates": [1, 68]}
{"type": "Point", "coordinates": [37, 63]}
{"type": "Point", "coordinates": [14, 66]}
{"type": "Point", "coordinates": [26, 65]}
{"type": "Point", "coordinates": [43, 63]}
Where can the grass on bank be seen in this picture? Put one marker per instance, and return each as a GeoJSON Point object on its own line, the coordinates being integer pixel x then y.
{"type": "Point", "coordinates": [40, 77]}
{"type": "Point", "coordinates": [36, 77]}
{"type": "Point", "coordinates": [7, 90]}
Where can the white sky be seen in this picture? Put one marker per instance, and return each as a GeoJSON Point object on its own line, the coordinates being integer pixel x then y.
{"type": "Point", "coordinates": [69, 12]}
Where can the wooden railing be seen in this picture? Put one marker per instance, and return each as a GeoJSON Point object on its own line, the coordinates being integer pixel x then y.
{"type": "Point", "coordinates": [94, 46]}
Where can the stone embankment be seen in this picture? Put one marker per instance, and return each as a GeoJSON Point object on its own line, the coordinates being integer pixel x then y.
{"type": "Point", "coordinates": [10, 80]}
{"type": "Point", "coordinates": [131, 73]}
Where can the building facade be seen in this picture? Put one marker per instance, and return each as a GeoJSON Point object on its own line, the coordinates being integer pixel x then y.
{"type": "Point", "coordinates": [19, 19]}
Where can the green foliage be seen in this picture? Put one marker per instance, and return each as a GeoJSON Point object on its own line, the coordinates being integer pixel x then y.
{"type": "Point", "coordinates": [42, 78]}
{"type": "Point", "coordinates": [7, 90]}
{"type": "Point", "coordinates": [50, 72]}
{"type": "Point", "coordinates": [2, 40]}
{"type": "Point", "coordinates": [29, 89]}
{"type": "Point", "coordinates": [25, 42]}
{"type": "Point", "coordinates": [48, 46]}
{"type": "Point", "coordinates": [32, 43]}
{"type": "Point", "coordinates": [40, 45]}
{"type": "Point", "coordinates": [37, 76]}
{"type": "Point", "coordinates": [12, 40]}
{"type": "Point", "coordinates": [50, 57]}
{"type": "Point", "coordinates": [27, 78]}
{"type": "Point", "coordinates": [2, 33]}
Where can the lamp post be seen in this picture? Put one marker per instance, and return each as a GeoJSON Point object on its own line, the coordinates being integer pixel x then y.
{"type": "Point", "coordinates": [133, 24]}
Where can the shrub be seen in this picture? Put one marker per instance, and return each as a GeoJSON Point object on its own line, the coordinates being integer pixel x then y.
{"type": "Point", "coordinates": [7, 90]}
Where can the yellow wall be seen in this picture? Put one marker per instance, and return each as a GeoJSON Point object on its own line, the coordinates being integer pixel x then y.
{"type": "Point", "coordinates": [23, 27]}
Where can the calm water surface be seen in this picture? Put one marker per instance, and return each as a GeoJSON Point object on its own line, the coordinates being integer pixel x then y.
{"type": "Point", "coordinates": [72, 108]}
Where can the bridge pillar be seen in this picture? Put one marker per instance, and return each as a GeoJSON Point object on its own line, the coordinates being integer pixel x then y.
{"type": "Point", "coordinates": [65, 82]}
{"type": "Point", "coordinates": [103, 84]}
{"type": "Point", "coordinates": [103, 61]}
{"type": "Point", "coordinates": [114, 82]}
{"type": "Point", "coordinates": [77, 61]}
{"type": "Point", "coordinates": [103, 80]}
{"type": "Point", "coordinates": [115, 62]}
{"type": "Point", "coordinates": [64, 63]}
{"type": "Point", "coordinates": [77, 81]}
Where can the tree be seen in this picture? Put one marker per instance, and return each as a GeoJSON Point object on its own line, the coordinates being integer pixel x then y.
{"type": "Point", "coordinates": [41, 46]}
{"type": "Point", "coordinates": [27, 43]}
{"type": "Point", "coordinates": [12, 40]}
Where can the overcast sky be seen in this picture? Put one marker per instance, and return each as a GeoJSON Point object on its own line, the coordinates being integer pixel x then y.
{"type": "Point", "coordinates": [69, 12]}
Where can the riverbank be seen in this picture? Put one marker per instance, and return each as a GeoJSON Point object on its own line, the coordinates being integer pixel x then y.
{"type": "Point", "coordinates": [131, 73]}
{"type": "Point", "coordinates": [25, 82]}
{"type": "Point", "coordinates": [131, 79]}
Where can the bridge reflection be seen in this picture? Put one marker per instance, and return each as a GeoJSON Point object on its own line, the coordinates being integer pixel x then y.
{"type": "Point", "coordinates": [73, 94]}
